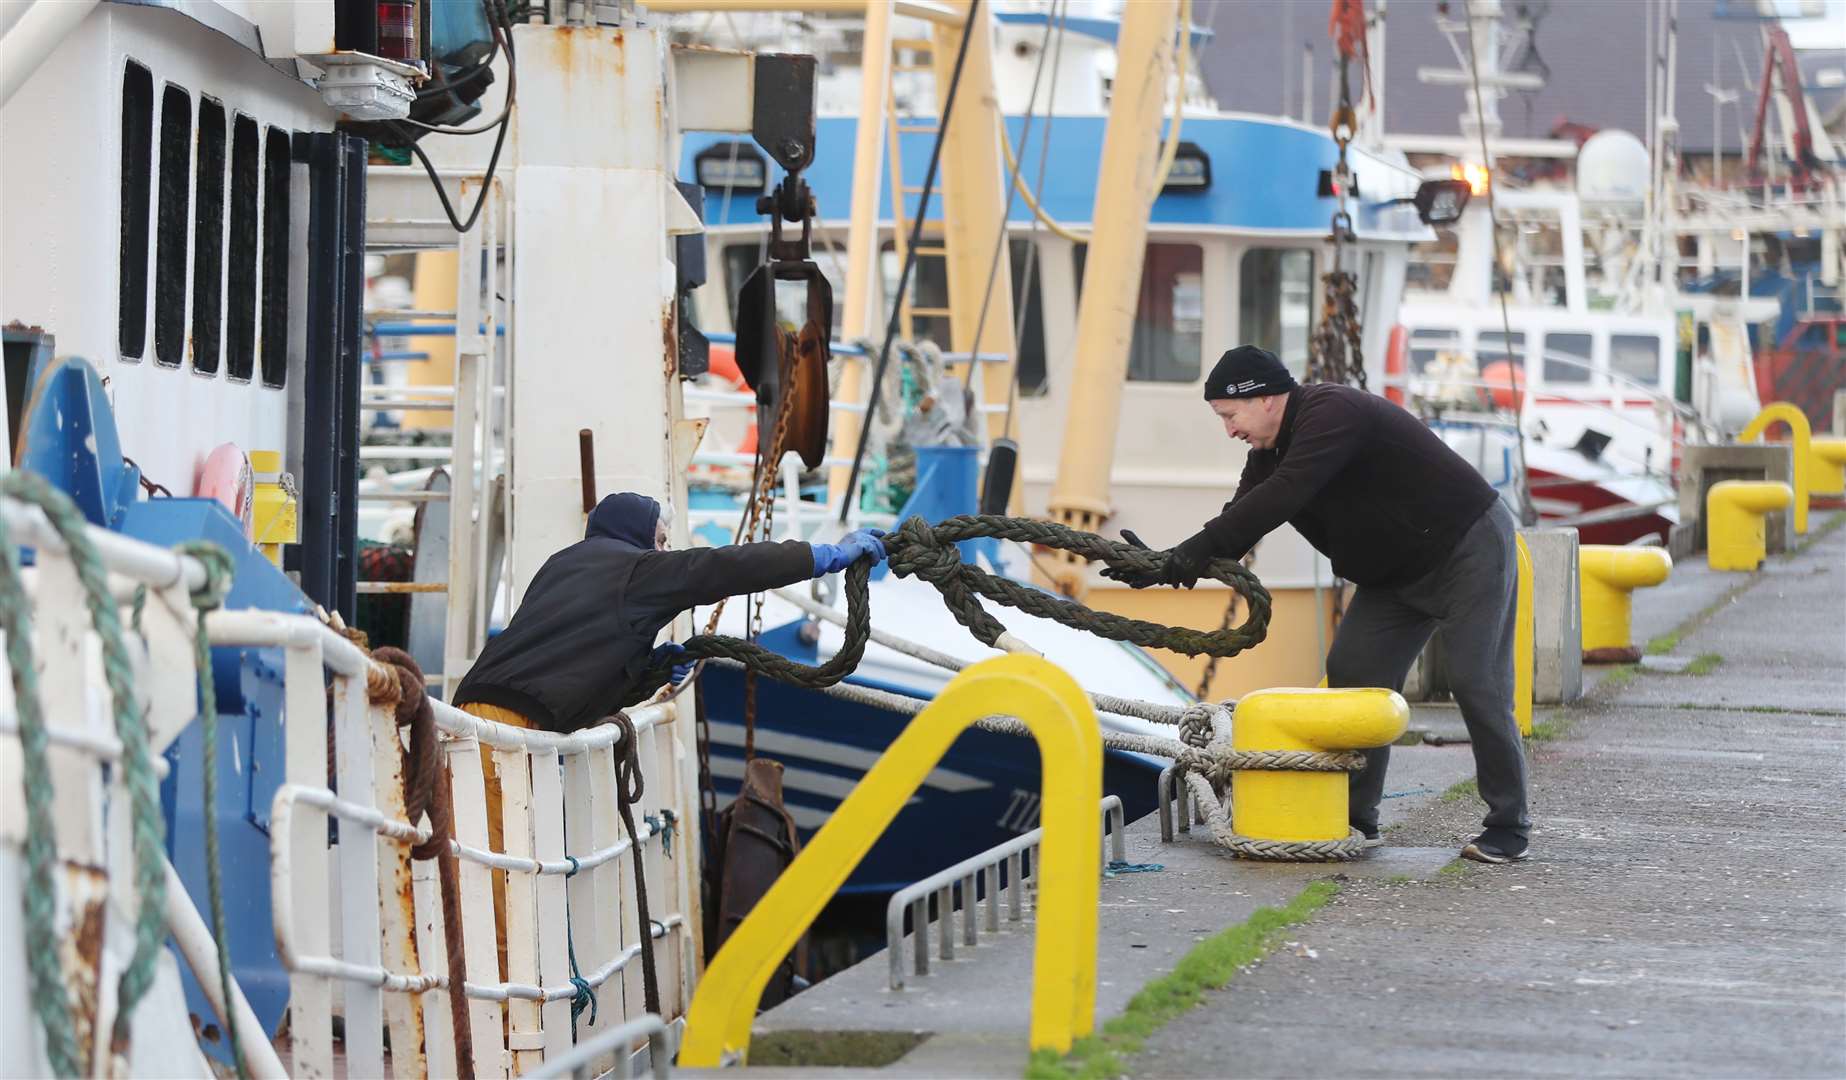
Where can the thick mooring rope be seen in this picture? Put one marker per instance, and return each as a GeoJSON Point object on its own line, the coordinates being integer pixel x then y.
{"type": "Point", "coordinates": [148, 838]}
{"type": "Point", "coordinates": [928, 551]}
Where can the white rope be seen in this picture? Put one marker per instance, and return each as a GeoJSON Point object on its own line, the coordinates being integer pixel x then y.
{"type": "Point", "coordinates": [1154, 745]}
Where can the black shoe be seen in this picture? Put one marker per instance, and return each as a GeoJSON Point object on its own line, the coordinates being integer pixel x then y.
{"type": "Point", "coordinates": [1496, 845]}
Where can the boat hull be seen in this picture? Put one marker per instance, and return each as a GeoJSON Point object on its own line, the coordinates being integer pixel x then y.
{"type": "Point", "coordinates": [985, 791]}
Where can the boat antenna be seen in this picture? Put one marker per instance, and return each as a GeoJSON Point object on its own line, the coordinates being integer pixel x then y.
{"type": "Point", "coordinates": [1527, 512]}
{"type": "Point", "coordinates": [910, 259]}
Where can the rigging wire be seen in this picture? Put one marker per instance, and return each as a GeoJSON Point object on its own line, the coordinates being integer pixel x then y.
{"type": "Point", "coordinates": [1527, 513]}
{"type": "Point", "coordinates": [1044, 160]}
{"type": "Point", "coordinates": [504, 38]}
{"type": "Point", "coordinates": [910, 257]}
{"type": "Point", "coordinates": [1006, 213]}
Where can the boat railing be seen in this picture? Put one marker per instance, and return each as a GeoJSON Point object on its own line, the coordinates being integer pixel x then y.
{"type": "Point", "coordinates": [1009, 869]}
{"type": "Point", "coordinates": [569, 914]}
{"type": "Point", "coordinates": [1589, 399]}
{"type": "Point", "coordinates": [1634, 387]}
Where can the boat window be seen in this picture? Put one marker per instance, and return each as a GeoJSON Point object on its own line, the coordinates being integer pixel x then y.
{"type": "Point", "coordinates": [1567, 358]}
{"type": "Point", "coordinates": [1491, 348]}
{"type": "Point", "coordinates": [1275, 303]}
{"type": "Point", "coordinates": [240, 311]}
{"type": "Point", "coordinates": [170, 229]}
{"type": "Point", "coordinates": [742, 259]}
{"type": "Point", "coordinates": [1029, 309]}
{"type": "Point", "coordinates": [275, 257]}
{"type": "Point", "coordinates": [137, 181]}
{"type": "Point", "coordinates": [1169, 334]}
{"type": "Point", "coordinates": [208, 240]}
{"type": "Point", "coordinates": [1636, 356]}
{"type": "Point", "coordinates": [1427, 345]}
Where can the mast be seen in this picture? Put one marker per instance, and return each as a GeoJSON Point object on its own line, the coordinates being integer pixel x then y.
{"type": "Point", "coordinates": [1125, 190]}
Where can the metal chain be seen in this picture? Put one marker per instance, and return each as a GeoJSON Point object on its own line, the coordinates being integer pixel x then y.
{"type": "Point", "coordinates": [1335, 353]}
{"type": "Point", "coordinates": [1230, 617]}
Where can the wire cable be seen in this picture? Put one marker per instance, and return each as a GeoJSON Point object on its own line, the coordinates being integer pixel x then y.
{"type": "Point", "coordinates": [503, 35]}
{"type": "Point", "coordinates": [910, 257]}
{"type": "Point", "coordinates": [1528, 514]}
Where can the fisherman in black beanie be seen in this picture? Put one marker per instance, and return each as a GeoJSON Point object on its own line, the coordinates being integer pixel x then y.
{"type": "Point", "coordinates": [1400, 515]}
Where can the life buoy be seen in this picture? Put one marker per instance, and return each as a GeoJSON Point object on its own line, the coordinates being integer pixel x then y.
{"type": "Point", "coordinates": [724, 365]}
{"type": "Point", "coordinates": [227, 477]}
{"type": "Point", "coordinates": [1397, 354]}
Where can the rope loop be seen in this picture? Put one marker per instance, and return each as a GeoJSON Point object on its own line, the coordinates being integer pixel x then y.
{"type": "Point", "coordinates": [148, 826]}
{"type": "Point", "coordinates": [928, 551]}
{"type": "Point", "coordinates": [208, 597]}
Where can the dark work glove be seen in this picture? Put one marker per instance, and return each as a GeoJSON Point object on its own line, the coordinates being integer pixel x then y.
{"type": "Point", "coordinates": [668, 652]}
{"type": "Point", "coordinates": [1185, 565]}
{"type": "Point", "coordinates": [1134, 579]}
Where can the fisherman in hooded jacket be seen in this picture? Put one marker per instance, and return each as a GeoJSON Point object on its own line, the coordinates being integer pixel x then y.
{"type": "Point", "coordinates": [584, 633]}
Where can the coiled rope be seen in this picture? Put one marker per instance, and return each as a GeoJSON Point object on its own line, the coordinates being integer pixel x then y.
{"type": "Point", "coordinates": [148, 839]}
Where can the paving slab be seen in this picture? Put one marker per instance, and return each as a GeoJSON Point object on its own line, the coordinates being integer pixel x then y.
{"type": "Point", "coordinates": [1148, 921]}
{"type": "Point", "coordinates": [1684, 913]}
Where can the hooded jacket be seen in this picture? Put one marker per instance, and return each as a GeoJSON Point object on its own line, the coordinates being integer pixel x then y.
{"type": "Point", "coordinates": [581, 638]}
{"type": "Point", "coordinates": [1364, 481]}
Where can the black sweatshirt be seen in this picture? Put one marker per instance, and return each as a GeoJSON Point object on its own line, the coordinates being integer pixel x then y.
{"type": "Point", "coordinates": [583, 633]}
{"type": "Point", "coordinates": [1364, 481]}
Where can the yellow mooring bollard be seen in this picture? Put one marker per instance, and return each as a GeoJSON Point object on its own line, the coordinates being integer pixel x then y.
{"type": "Point", "coordinates": [1524, 646]}
{"type": "Point", "coordinates": [1734, 533]}
{"type": "Point", "coordinates": [1827, 466]}
{"type": "Point", "coordinates": [1300, 806]}
{"type": "Point", "coordinates": [1609, 575]}
{"type": "Point", "coordinates": [1797, 422]}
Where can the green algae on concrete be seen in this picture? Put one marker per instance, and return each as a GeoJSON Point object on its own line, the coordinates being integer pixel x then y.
{"type": "Point", "coordinates": [832, 1049]}
{"type": "Point", "coordinates": [1210, 965]}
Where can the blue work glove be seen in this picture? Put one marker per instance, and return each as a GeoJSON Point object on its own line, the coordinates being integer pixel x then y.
{"type": "Point", "coordinates": [855, 545]}
{"type": "Point", "coordinates": [670, 651]}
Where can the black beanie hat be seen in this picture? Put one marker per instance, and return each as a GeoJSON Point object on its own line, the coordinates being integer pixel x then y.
{"type": "Point", "coordinates": [1246, 372]}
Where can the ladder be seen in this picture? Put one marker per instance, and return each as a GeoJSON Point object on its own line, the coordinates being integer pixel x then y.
{"type": "Point", "coordinates": [476, 403]}
{"type": "Point", "coordinates": [910, 55]}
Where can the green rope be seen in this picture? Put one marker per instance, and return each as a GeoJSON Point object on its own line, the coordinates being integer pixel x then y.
{"type": "Point", "coordinates": [585, 997]}
{"type": "Point", "coordinates": [218, 568]}
{"type": "Point", "coordinates": [148, 840]}
{"type": "Point", "coordinates": [42, 958]}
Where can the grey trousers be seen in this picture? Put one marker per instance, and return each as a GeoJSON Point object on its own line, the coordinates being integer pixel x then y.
{"type": "Point", "coordinates": [1469, 600]}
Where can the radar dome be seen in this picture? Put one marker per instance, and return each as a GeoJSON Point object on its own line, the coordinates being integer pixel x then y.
{"type": "Point", "coordinates": [1612, 169]}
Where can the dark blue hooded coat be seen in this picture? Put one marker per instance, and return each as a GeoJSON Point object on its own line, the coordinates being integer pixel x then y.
{"type": "Point", "coordinates": [580, 640]}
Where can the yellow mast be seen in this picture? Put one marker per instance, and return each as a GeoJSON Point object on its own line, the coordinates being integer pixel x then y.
{"type": "Point", "coordinates": [973, 201]}
{"type": "Point", "coordinates": [860, 317]}
{"type": "Point", "coordinates": [1125, 190]}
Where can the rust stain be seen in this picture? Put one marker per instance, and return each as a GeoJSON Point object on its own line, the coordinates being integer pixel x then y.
{"type": "Point", "coordinates": [87, 890]}
{"type": "Point", "coordinates": [669, 340]}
